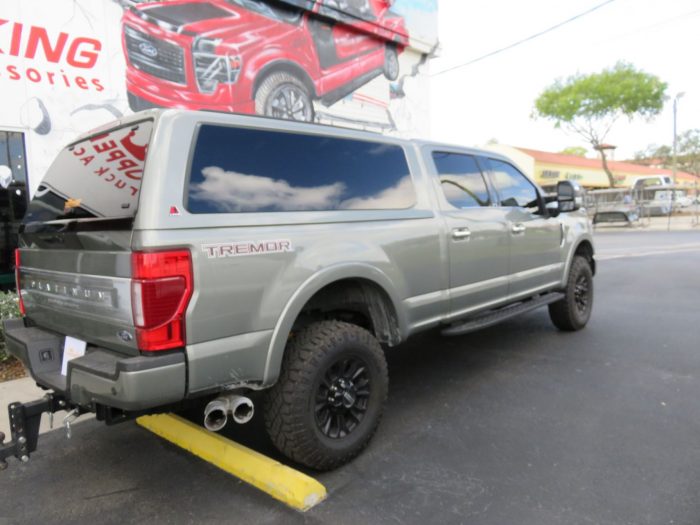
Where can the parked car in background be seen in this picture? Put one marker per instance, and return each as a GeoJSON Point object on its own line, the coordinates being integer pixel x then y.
{"type": "Point", "coordinates": [257, 56]}
{"type": "Point", "coordinates": [676, 198]}
{"type": "Point", "coordinates": [612, 205]}
{"type": "Point", "coordinates": [640, 183]}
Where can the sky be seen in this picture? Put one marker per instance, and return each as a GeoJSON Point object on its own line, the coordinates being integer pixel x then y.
{"type": "Point", "coordinates": [493, 99]}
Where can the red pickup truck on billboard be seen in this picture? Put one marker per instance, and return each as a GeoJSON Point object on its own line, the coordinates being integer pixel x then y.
{"type": "Point", "coordinates": [257, 56]}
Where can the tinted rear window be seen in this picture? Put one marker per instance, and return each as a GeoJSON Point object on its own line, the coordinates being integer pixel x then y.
{"type": "Point", "coordinates": [99, 177]}
{"type": "Point", "coordinates": [244, 170]}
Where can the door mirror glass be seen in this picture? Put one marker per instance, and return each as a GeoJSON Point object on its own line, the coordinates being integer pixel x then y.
{"type": "Point", "coordinates": [569, 196]}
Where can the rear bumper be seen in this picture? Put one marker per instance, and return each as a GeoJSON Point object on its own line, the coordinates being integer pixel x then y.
{"type": "Point", "coordinates": [101, 376]}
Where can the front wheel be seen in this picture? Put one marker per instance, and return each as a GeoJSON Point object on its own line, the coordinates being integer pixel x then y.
{"type": "Point", "coordinates": [573, 311]}
{"type": "Point", "coordinates": [328, 401]}
{"type": "Point", "coordinates": [284, 96]}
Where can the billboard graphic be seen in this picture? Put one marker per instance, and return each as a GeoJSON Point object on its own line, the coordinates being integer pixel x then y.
{"type": "Point", "coordinates": [244, 56]}
{"type": "Point", "coordinates": [67, 66]}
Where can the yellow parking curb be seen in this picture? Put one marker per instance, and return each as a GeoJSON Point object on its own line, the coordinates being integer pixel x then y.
{"type": "Point", "coordinates": [281, 482]}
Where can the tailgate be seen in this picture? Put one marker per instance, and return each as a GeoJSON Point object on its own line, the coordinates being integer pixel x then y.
{"type": "Point", "coordinates": [83, 293]}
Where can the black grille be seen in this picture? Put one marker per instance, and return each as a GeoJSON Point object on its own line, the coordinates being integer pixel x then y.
{"type": "Point", "coordinates": [155, 57]}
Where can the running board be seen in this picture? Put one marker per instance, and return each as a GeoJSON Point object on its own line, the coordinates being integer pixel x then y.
{"type": "Point", "coordinates": [495, 317]}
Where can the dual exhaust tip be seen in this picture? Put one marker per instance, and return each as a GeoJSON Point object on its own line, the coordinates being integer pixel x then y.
{"type": "Point", "coordinates": [217, 412]}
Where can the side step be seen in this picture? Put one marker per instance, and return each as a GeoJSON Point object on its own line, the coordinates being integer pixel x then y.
{"type": "Point", "coordinates": [496, 316]}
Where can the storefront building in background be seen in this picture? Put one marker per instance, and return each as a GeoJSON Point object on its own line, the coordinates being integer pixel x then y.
{"type": "Point", "coordinates": [549, 168]}
{"type": "Point", "coordinates": [67, 66]}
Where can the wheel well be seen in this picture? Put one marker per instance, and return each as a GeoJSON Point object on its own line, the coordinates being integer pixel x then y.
{"type": "Point", "coordinates": [286, 67]}
{"type": "Point", "coordinates": [585, 249]}
{"type": "Point", "coordinates": [358, 301]}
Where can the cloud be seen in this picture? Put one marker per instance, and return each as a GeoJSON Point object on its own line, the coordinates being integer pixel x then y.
{"type": "Point", "coordinates": [234, 192]}
{"type": "Point", "coordinates": [231, 191]}
{"type": "Point", "coordinates": [400, 196]}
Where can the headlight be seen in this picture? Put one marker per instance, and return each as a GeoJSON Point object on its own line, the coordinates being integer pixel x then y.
{"type": "Point", "coordinates": [206, 45]}
{"type": "Point", "coordinates": [211, 68]}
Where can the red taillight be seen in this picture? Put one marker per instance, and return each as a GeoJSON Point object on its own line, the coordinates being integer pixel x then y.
{"type": "Point", "coordinates": [18, 283]}
{"type": "Point", "coordinates": [161, 288]}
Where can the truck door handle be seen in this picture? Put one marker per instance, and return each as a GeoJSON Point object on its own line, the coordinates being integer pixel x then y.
{"type": "Point", "coordinates": [518, 228]}
{"type": "Point", "coordinates": [461, 233]}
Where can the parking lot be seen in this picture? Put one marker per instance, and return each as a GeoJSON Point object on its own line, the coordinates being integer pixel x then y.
{"type": "Point", "coordinates": [519, 423]}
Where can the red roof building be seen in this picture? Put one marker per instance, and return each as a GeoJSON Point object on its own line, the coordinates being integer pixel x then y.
{"type": "Point", "coordinates": [548, 168]}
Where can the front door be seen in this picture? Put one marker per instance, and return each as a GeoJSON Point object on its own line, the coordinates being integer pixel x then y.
{"type": "Point", "coordinates": [535, 238]}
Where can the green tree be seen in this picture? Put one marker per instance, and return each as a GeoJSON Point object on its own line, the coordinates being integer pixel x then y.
{"type": "Point", "coordinates": [662, 154]}
{"type": "Point", "coordinates": [589, 105]}
{"type": "Point", "coordinates": [687, 155]}
{"type": "Point", "coordinates": [578, 151]}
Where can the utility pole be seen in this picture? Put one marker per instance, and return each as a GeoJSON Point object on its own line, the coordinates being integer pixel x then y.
{"type": "Point", "coordinates": [674, 165]}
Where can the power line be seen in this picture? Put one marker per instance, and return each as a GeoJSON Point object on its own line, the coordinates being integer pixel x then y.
{"type": "Point", "coordinates": [519, 42]}
{"type": "Point", "coordinates": [647, 28]}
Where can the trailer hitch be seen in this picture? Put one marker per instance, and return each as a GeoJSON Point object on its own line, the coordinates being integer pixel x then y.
{"type": "Point", "coordinates": [25, 419]}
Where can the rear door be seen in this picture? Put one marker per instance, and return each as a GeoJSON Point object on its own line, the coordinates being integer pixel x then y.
{"type": "Point", "coordinates": [75, 245]}
{"type": "Point", "coordinates": [535, 238]}
{"type": "Point", "coordinates": [476, 233]}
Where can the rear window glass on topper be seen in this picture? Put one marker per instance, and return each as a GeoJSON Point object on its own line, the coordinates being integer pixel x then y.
{"type": "Point", "coordinates": [99, 177]}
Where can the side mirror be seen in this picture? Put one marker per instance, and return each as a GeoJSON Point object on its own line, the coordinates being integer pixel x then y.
{"type": "Point", "coordinates": [569, 196]}
{"type": "Point", "coordinates": [552, 208]}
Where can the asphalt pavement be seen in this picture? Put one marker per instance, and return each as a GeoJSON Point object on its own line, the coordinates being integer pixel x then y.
{"type": "Point", "coordinates": [516, 424]}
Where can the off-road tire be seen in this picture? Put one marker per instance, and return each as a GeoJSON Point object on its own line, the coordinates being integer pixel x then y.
{"type": "Point", "coordinates": [290, 410]}
{"type": "Point", "coordinates": [569, 314]}
{"type": "Point", "coordinates": [273, 86]}
{"type": "Point", "coordinates": [391, 67]}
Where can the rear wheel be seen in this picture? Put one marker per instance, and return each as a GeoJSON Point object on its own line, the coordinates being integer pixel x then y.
{"type": "Point", "coordinates": [329, 398]}
{"type": "Point", "coordinates": [574, 310]}
{"type": "Point", "coordinates": [391, 63]}
{"type": "Point", "coordinates": [283, 96]}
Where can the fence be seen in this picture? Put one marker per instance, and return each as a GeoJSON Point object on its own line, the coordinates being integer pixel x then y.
{"type": "Point", "coordinates": [637, 207]}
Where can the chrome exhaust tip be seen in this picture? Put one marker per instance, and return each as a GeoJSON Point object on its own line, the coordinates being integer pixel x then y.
{"type": "Point", "coordinates": [216, 415]}
{"type": "Point", "coordinates": [217, 411]}
{"type": "Point", "coordinates": [242, 409]}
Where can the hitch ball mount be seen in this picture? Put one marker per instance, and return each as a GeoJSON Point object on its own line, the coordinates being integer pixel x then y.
{"type": "Point", "coordinates": [25, 419]}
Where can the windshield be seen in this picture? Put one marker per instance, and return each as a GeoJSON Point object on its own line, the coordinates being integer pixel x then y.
{"type": "Point", "coordinates": [99, 177]}
{"type": "Point", "coordinates": [271, 9]}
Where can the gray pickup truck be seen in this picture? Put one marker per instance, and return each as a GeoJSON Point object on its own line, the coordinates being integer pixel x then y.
{"type": "Point", "coordinates": [178, 257]}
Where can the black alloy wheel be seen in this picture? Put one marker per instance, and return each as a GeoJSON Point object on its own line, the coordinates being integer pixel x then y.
{"type": "Point", "coordinates": [342, 397]}
{"type": "Point", "coordinates": [581, 293]}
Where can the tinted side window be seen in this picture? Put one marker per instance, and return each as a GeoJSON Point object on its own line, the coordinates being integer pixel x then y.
{"type": "Point", "coordinates": [461, 180]}
{"type": "Point", "coordinates": [245, 170]}
{"type": "Point", "coordinates": [512, 186]}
